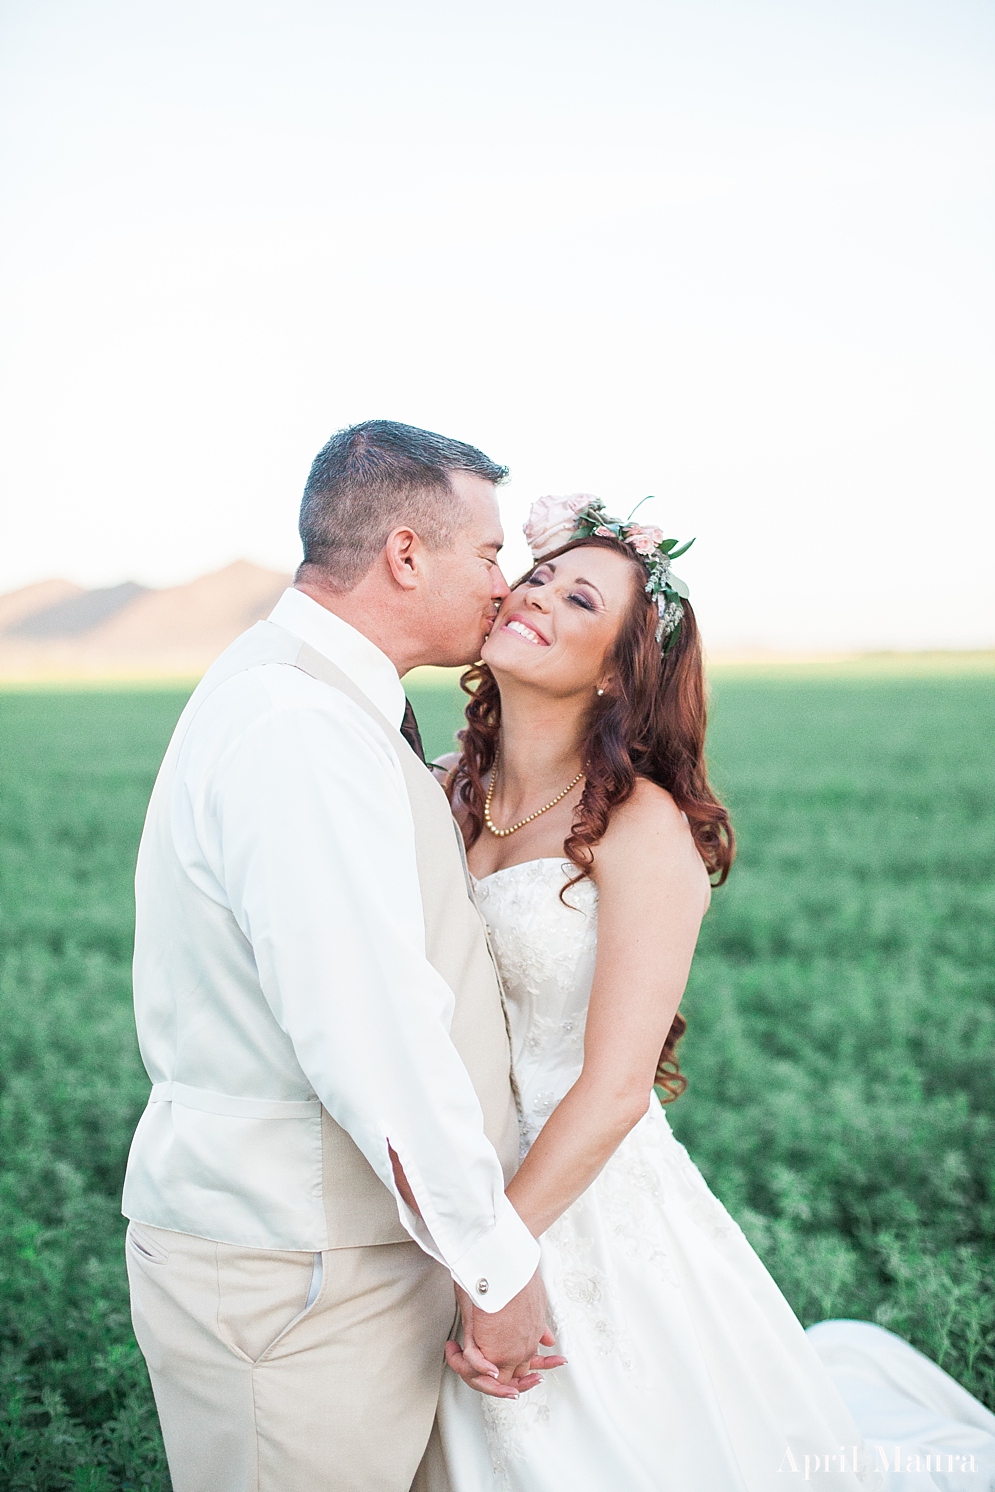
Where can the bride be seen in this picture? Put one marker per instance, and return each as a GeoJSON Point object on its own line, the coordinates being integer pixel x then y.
{"type": "Point", "coordinates": [592, 835]}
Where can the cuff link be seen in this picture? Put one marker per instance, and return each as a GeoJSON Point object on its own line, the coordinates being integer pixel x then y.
{"type": "Point", "coordinates": [481, 1287]}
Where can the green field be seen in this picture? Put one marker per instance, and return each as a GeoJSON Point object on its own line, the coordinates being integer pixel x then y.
{"type": "Point", "coordinates": [840, 1048]}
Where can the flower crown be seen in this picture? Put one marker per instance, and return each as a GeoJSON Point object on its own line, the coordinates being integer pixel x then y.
{"type": "Point", "coordinates": [555, 521]}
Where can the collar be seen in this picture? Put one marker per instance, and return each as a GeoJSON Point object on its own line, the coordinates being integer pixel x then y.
{"type": "Point", "coordinates": [367, 667]}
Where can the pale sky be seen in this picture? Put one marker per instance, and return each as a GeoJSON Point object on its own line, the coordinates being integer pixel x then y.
{"type": "Point", "coordinates": [738, 255]}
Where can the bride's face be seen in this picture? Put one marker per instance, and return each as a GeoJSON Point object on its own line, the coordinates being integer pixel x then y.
{"type": "Point", "coordinates": [557, 629]}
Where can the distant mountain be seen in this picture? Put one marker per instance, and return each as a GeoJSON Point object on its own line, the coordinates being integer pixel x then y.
{"type": "Point", "coordinates": [78, 614]}
{"type": "Point", "coordinates": [60, 630]}
{"type": "Point", "coordinates": [31, 598]}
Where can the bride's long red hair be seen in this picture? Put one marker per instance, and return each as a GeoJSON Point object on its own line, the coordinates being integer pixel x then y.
{"type": "Point", "coordinates": [650, 722]}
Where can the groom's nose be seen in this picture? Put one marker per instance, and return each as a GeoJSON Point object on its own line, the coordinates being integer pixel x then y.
{"type": "Point", "coordinates": [499, 586]}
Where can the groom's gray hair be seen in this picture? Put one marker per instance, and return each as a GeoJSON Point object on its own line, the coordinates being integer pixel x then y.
{"type": "Point", "coordinates": [374, 477]}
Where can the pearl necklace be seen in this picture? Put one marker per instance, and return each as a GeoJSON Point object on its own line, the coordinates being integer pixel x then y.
{"type": "Point", "coordinates": [503, 833]}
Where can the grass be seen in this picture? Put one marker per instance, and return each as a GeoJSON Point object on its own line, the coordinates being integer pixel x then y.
{"type": "Point", "coordinates": [841, 1012]}
{"type": "Point", "coordinates": [840, 1044]}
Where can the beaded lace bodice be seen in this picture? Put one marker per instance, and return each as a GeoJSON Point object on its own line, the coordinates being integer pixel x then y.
{"type": "Point", "coordinates": [545, 951]}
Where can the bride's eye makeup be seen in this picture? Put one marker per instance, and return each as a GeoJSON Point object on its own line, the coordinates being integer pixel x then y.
{"type": "Point", "coordinates": [543, 574]}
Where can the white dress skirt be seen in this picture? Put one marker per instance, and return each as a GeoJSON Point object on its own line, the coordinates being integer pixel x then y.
{"type": "Point", "coordinates": [687, 1369]}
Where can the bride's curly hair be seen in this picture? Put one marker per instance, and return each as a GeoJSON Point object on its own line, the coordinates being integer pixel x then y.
{"type": "Point", "coordinates": [650, 722]}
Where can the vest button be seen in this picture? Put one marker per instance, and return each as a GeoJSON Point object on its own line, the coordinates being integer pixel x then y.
{"type": "Point", "coordinates": [482, 1287]}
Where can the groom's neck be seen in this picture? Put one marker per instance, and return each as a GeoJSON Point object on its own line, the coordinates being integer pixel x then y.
{"type": "Point", "coordinates": [366, 610]}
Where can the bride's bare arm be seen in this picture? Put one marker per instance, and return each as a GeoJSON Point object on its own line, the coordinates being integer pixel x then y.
{"type": "Point", "coordinates": [653, 891]}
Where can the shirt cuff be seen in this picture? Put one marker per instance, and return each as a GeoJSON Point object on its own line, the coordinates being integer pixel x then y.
{"type": "Point", "coordinates": [500, 1263]}
{"type": "Point", "coordinates": [496, 1267]}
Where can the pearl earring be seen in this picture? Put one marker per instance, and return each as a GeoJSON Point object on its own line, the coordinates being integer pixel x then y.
{"type": "Point", "coordinates": [601, 691]}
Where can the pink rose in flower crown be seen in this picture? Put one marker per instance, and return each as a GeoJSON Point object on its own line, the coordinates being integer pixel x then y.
{"type": "Point", "coordinates": [552, 520]}
{"type": "Point", "coordinates": [644, 538]}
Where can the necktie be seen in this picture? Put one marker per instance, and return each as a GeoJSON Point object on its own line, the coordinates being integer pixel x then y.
{"type": "Point", "coordinates": [410, 731]}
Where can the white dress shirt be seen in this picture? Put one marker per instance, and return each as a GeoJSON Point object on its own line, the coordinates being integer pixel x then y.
{"type": "Point", "coordinates": [292, 811]}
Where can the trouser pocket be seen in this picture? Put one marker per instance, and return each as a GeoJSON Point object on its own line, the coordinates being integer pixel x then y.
{"type": "Point", "coordinates": [261, 1294]}
{"type": "Point", "coordinates": [141, 1241]}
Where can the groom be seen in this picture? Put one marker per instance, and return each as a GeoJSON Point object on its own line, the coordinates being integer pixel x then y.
{"type": "Point", "coordinates": [331, 1122]}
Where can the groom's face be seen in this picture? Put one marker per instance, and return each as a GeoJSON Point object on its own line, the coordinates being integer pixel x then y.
{"type": "Point", "coordinates": [466, 585]}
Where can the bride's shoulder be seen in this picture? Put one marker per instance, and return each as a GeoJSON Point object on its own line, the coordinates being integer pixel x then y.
{"type": "Point", "coordinates": [443, 767]}
{"type": "Point", "coordinates": [648, 829]}
{"type": "Point", "coordinates": [649, 809]}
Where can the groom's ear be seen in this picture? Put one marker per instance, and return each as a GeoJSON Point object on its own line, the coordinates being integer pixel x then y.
{"type": "Point", "coordinates": [403, 553]}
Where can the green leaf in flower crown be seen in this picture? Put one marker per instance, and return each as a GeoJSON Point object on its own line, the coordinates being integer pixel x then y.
{"type": "Point", "coordinates": [666, 545]}
{"type": "Point", "coordinates": [676, 553]}
{"type": "Point", "coordinates": [679, 587]}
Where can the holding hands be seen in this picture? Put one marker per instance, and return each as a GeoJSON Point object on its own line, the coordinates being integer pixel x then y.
{"type": "Point", "coordinates": [500, 1352]}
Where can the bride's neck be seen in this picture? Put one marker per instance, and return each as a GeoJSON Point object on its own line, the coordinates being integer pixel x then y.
{"type": "Point", "coordinates": [541, 741]}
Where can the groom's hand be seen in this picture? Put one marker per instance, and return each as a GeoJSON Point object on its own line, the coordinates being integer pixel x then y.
{"type": "Point", "coordinates": [500, 1351]}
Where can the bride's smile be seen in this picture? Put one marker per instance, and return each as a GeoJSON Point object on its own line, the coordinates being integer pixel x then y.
{"type": "Point", "coordinates": [522, 629]}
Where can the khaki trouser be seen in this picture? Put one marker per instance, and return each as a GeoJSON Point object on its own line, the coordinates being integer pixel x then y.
{"type": "Point", "coordinates": [259, 1392]}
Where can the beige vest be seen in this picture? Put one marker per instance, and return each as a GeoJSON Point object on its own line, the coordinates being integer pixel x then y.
{"type": "Point", "coordinates": [234, 1144]}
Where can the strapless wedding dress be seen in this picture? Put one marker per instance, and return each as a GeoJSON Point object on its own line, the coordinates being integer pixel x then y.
{"type": "Point", "coordinates": [687, 1371]}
